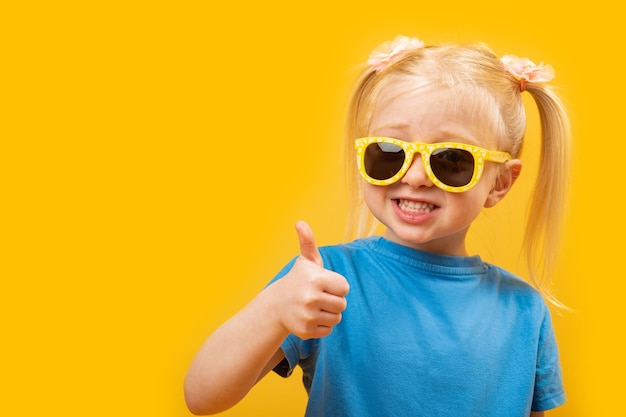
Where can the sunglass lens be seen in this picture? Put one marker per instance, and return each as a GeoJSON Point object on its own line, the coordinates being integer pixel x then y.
{"type": "Point", "coordinates": [453, 167]}
{"type": "Point", "coordinates": [383, 160]}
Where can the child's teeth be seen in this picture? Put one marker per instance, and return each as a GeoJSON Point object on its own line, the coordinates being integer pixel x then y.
{"type": "Point", "coordinates": [406, 205]}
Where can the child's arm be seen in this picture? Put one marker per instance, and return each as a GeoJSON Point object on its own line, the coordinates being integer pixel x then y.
{"type": "Point", "coordinates": [307, 302]}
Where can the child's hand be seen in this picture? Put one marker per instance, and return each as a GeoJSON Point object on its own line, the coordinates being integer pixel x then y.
{"type": "Point", "coordinates": [310, 298]}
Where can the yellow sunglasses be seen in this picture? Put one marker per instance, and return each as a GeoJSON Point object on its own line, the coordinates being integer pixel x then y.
{"type": "Point", "coordinates": [451, 166]}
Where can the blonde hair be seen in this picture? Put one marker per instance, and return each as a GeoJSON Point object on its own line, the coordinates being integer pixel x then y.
{"type": "Point", "coordinates": [477, 70]}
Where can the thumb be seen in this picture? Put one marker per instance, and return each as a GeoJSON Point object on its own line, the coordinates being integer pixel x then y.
{"type": "Point", "coordinates": [308, 247]}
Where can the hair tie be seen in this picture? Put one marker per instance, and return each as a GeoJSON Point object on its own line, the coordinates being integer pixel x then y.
{"type": "Point", "coordinates": [522, 85]}
{"type": "Point", "coordinates": [389, 52]}
{"type": "Point", "coordinates": [527, 71]}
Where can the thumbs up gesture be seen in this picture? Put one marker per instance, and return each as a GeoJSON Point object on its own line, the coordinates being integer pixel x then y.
{"type": "Point", "coordinates": [311, 298]}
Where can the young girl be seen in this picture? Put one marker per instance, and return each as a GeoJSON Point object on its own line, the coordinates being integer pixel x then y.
{"type": "Point", "coordinates": [409, 323]}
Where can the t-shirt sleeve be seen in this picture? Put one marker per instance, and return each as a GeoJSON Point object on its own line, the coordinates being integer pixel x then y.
{"type": "Point", "coordinates": [292, 357]}
{"type": "Point", "coordinates": [549, 391]}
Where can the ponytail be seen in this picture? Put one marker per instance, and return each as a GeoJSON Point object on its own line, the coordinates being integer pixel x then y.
{"type": "Point", "coordinates": [547, 209]}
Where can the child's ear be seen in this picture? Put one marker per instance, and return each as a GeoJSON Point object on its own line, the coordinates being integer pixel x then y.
{"type": "Point", "coordinates": [509, 172]}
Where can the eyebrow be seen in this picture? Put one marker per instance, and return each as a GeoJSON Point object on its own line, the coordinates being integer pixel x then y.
{"type": "Point", "coordinates": [395, 126]}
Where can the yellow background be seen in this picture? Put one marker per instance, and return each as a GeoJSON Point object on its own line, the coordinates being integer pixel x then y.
{"type": "Point", "coordinates": [154, 157]}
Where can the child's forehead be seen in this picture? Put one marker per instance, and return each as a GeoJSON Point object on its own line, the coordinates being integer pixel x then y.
{"type": "Point", "coordinates": [407, 105]}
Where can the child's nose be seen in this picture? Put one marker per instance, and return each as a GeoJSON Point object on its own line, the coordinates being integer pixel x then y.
{"type": "Point", "coordinates": [416, 175]}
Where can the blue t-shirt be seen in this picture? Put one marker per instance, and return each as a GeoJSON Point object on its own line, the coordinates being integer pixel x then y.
{"type": "Point", "coordinates": [428, 335]}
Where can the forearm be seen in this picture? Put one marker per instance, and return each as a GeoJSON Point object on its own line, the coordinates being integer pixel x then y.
{"type": "Point", "coordinates": [234, 357]}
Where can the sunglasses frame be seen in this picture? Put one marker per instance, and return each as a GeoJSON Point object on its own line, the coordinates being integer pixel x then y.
{"type": "Point", "coordinates": [426, 150]}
